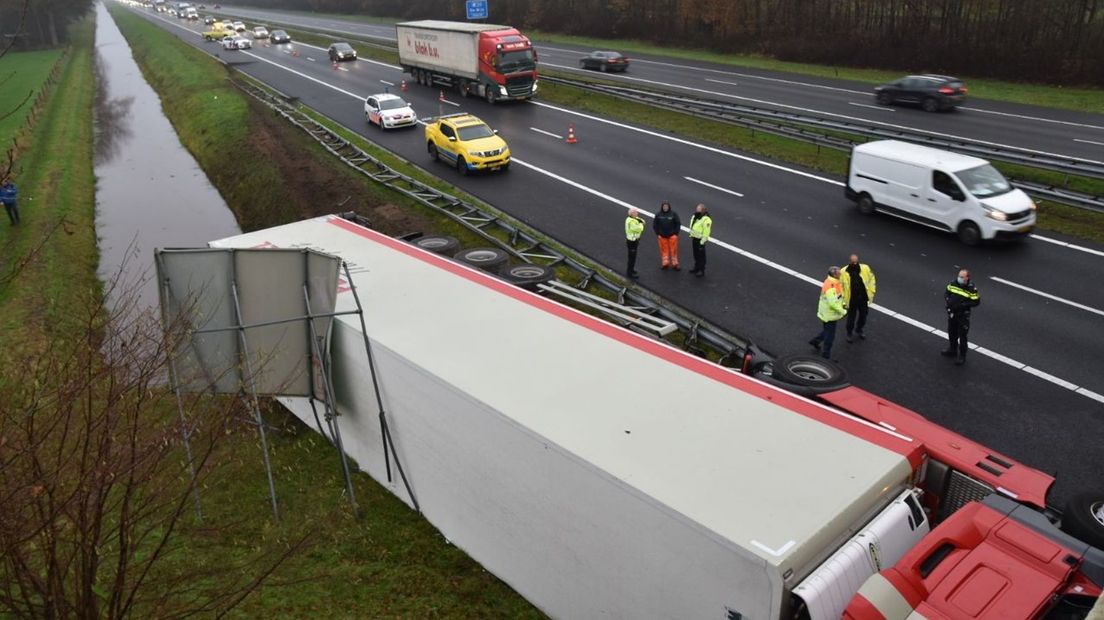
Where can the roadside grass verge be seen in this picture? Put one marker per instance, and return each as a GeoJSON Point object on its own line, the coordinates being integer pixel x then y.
{"type": "Point", "coordinates": [391, 562]}
{"type": "Point", "coordinates": [53, 250]}
{"type": "Point", "coordinates": [22, 76]}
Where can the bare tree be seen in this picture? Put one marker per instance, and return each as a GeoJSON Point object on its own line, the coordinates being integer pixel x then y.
{"type": "Point", "coordinates": [94, 483]}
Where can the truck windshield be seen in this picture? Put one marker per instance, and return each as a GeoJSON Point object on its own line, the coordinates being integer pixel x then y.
{"type": "Point", "coordinates": [475, 132]}
{"type": "Point", "coordinates": [984, 181]}
{"type": "Point", "coordinates": [516, 61]}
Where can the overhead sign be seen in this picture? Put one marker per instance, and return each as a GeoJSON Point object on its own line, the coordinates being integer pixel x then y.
{"type": "Point", "coordinates": [477, 9]}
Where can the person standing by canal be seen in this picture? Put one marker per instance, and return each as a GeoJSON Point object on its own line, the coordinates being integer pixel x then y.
{"type": "Point", "coordinates": [961, 296]}
{"type": "Point", "coordinates": [859, 285]}
{"type": "Point", "coordinates": [701, 226]}
{"type": "Point", "coordinates": [634, 227]}
{"type": "Point", "coordinates": [9, 195]}
{"type": "Point", "coordinates": [667, 227]}
{"type": "Point", "coordinates": [829, 310]}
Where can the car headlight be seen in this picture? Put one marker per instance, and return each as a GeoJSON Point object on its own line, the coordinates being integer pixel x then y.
{"type": "Point", "coordinates": [1031, 204]}
{"type": "Point", "coordinates": [995, 214]}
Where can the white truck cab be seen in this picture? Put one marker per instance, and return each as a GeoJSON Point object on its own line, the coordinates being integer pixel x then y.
{"type": "Point", "coordinates": [948, 191]}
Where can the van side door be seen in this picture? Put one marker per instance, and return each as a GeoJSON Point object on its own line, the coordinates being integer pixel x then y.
{"type": "Point", "coordinates": [945, 199]}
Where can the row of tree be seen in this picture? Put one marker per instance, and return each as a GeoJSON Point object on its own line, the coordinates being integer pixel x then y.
{"type": "Point", "coordinates": [1056, 41]}
{"type": "Point", "coordinates": [36, 24]}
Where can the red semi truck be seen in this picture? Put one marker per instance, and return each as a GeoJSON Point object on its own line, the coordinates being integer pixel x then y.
{"type": "Point", "coordinates": [493, 62]}
{"type": "Point", "coordinates": [604, 474]}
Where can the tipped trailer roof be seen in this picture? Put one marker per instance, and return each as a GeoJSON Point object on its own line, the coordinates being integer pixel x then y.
{"type": "Point", "coordinates": [774, 476]}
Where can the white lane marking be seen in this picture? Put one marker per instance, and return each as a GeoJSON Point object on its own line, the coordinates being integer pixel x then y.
{"type": "Point", "coordinates": [1048, 295]}
{"type": "Point", "coordinates": [304, 75]}
{"type": "Point", "coordinates": [716, 187]}
{"type": "Point", "coordinates": [311, 59]}
{"type": "Point", "coordinates": [711, 149]}
{"type": "Point", "coordinates": [386, 82]}
{"type": "Point", "coordinates": [1089, 141]}
{"type": "Point", "coordinates": [872, 107]}
{"type": "Point", "coordinates": [1091, 394]}
{"type": "Point", "coordinates": [341, 68]}
{"type": "Point", "coordinates": [722, 82]}
{"type": "Point", "coordinates": [451, 103]}
{"type": "Point", "coordinates": [1079, 248]}
{"type": "Point", "coordinates": [547, 133]}
{"type": "Point", "coordinates": [775, 552]}
{"type": "Point", "coordinates": [842, 116]}
{"type": "Point", "coordinates": [813, 281]}
{"type": "Point", "coordinates": [1031, 118]}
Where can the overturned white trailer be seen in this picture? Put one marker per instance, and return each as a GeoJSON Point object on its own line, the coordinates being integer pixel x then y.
{"type": "Point", "coordinates": [598, 472]}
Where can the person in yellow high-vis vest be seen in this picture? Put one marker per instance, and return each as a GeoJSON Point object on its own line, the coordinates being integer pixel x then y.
{"type": "Point", "coordinates": [859, 285]}
{"type": "Point", "coordinates": [701, 226]}
{"type": "Point", "coordinates": [829, 310]}
{"type": "Point", "coordinates": [634, 227]}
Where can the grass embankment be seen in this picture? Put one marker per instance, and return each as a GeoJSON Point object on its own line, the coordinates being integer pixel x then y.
{"type": "Point", "coordinates": [22, 76]}
{"type": "Point", "coordinates": [52, 253]}
{"type": "Point", "coordinates": [391, 562]}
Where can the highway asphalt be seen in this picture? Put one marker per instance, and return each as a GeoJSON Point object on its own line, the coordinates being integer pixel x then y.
{"type": "Point", "coordinates": [1036, 128]}
{"type": "Point", "coordinates": [778, 228]}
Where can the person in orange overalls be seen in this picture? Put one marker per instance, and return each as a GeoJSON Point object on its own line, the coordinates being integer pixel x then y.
{"type": "Point", "coordinates": [667, 227]}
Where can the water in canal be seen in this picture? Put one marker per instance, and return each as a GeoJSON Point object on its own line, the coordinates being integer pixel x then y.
{"type": "Point", "coordinates": [150, 192]}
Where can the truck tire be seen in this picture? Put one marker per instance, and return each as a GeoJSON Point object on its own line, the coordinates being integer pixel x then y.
{"type": "Point", "coordinates": [463, 87]}
{"type": "Point", "coordinates": [438, 244]}
{"type": "Point", "coordinates": [490, 95]}
{"type": "Point", "coordinates": [969, 233]}
{"type": "Point", "coordinates": [487, 259]}
{"type": "Point", "coordinates": [865, 204]}
{"type": "Point", "coordinates": [1084, 518]}
{"type": "Point", "coordinates": [809, 371]}
{"type": "Point", "coordinates": [527, 275]}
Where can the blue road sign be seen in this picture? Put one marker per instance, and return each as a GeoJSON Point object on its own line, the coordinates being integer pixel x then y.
{"type": "Point", "coordinates": [477, 9]}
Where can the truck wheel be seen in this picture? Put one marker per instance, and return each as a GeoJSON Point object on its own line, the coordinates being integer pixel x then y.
{"type": "Point", "coordinates": [1084, 518]}
{"type": "Point", "coordinates": [438, 244]}
{"type": "Point", "coordinates": [490, 95]}
{"type": "Point", "coordinates": [463, 87]}
{"type": "Point", "coordinates": [866, 204]}
{"type": "Point", "coordinates": [809, 371]}
{"type": "Point", "coordinates": [461, 166]}
{"type": "Point", "coordinates": [488, 259]}
{"type": "Point", "coordinates": [432, 148]}
{"type": "Point", "coordinates": [930, 105]}
{"type": "Point", "coordinates": [969, 233]}
{"type": "Point", "coordinates": [527, 275]}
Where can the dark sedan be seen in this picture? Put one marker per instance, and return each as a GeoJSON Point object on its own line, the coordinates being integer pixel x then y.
{"type": "Point", "coordinates": [279, 36]}
{"type": "Point", "coordinates": [342, 51]}
{"type": "Point", "coordinates": [605, 61]}
{"type": "Point", "coordinates": [930, 92]}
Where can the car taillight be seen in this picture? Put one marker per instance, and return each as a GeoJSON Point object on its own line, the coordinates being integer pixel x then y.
{"type": "Point", "coordinates": [946, 90]}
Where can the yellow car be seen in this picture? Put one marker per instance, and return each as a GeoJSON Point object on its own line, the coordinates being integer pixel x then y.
{"type": "Point", "coordinates": [466, 142]}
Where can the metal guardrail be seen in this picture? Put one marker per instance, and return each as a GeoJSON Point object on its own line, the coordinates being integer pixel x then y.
{"type": "Point", "coordinates": [521, 242]}
{"type": "Point", "coordinates": [794, 126]}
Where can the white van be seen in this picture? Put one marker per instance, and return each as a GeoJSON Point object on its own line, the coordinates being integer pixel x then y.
{"type": "Point", "coordinates": [944, 190]}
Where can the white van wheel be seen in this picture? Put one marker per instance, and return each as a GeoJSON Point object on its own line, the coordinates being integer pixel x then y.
{"type": "Point", "coordinates": [969, 233]}
{"type": "Point", "coordinates": [866, 204]}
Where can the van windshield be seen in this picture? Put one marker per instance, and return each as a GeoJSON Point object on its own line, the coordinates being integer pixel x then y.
{"type": "Point", "coordinates": [984, 181]}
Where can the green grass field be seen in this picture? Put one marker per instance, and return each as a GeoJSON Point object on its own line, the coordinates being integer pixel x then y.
{"type": "Point", "coordinates": [21, 76]}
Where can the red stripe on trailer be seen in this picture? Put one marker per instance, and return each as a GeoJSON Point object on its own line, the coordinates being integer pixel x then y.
{"type": "Point", "coordinates": [1023, 483]}
{"type": "Point", "coordinates": [890, 440]}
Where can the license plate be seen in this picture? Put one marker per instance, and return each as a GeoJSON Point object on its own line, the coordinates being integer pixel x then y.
{"type": "Point", "coordinates": [495, 167]}
{"type": "Point", "coordinates": [1026, 229]}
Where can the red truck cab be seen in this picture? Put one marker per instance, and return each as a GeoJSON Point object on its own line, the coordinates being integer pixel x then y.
{"type": "Point", "coordinates": [507, 58]}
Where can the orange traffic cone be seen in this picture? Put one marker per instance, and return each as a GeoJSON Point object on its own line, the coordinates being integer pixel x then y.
{"type": "Point", "coordinates": [295, 53]}
{"type": "Point", "coordinates": [571, 134]}
{"type": "Point", "coordinates": [441, 97]}
{"type": "Point", "coordinates": [335, 64]}
{"type": "Point", "coordinates": [403, 86]}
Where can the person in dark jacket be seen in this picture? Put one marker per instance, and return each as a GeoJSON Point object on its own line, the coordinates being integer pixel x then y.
{"type": "Point", "coordinates": [9, 195]}
{"type": "Point", "coordinates": [667, 228]}
{"type": "Point", "coordinates": [961, 296]}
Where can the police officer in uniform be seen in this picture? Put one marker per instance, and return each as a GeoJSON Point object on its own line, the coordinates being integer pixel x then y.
{"type": "Point", "coordinates": [961, 296]}
{"type": "Point", "coordinates": [634, 227]}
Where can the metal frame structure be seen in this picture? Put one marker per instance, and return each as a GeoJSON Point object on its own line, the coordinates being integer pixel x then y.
{"type": "Point", "coordinates": [319, 353]}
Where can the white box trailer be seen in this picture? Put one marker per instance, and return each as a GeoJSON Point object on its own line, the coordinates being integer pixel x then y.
{"type": "Point", "coordinates": [598, 472]}
{"type": "Point", "coordinates": [443, 46]}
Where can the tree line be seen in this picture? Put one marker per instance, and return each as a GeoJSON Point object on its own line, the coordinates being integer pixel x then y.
{"type": "Point", "coordinates": [1053, 41]}
{"type": "Point", "coordinates": [37, 24]}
